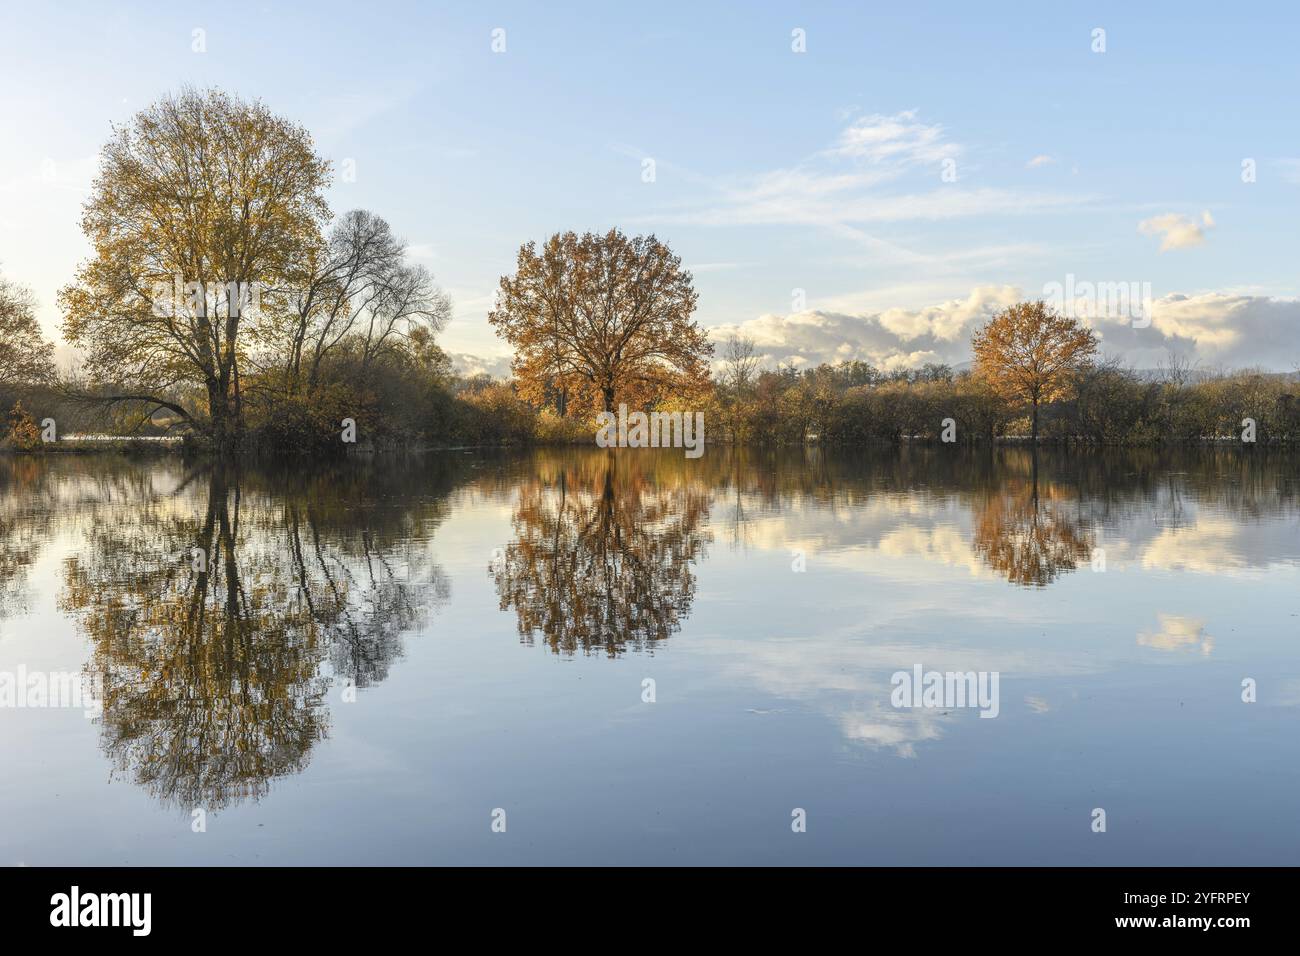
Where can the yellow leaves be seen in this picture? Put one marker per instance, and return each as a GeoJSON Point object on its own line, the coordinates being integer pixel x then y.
{"type": "Point", "coordinates": [203, 186]}
{"type": "Point", "coordinates": [21, 429]}
{"type": "Point", "coordinates": [25, 356]}
{"type": "Point", "coordinates": [1031, 353]}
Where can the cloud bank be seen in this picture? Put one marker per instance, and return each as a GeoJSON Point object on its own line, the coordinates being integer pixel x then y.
{"type": "Point", "coordinates": [1214, 329]}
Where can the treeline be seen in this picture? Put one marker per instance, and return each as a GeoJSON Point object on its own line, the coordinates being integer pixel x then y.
{"type": "Point", "coordinates": [853, 403]}
{"type": "Point", "coordinates": [413, 399]}
{"type": "Point", "coordinates": [407, 407]}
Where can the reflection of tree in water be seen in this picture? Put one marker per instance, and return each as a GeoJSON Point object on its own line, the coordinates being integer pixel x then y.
{"type": "Point", "coordinates": [1031, 532]}
{"type": "Point", "coordinates": [602, 553]}
{"type": "Point", "coordinates": [25, 522]}
{"type": "Point", "coordinates": [215, 676]}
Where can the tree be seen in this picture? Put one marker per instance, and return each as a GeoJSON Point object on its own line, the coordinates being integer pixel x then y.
{"type": "Point", "coordinates": [739, 364]}
{"type": "Point", "coordinates": [201, 200]}
{"type": "Point", "coordinates": [217, 668]}
{"type": "Point", "coordinates": [602, 555]}
{"type": "Point", "coordinates": [1031, 537]}
{"type": "Point", "coordinates": [601, 319]}
{"type": "Point", "coordinates": [362, 289]}
{"type": "Point", "coordinates": [22, 430]}
{"type": "Point", "coordinates": [1031, 353]}
{"type": "Point", "coordinates": [25, 357]}
{"type": "Point", "coordinates": [737, 378]}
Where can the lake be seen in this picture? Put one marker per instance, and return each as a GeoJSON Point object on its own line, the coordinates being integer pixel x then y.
{"type": "Point", "coordinates": [631, 657]}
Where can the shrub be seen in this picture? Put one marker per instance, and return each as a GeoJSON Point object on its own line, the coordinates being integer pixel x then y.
{"type": "Point", "coordinates": [22, 432]}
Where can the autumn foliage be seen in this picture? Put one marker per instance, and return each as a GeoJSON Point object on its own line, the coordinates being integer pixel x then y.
{"type": "Point", "coordinates": [599, 320]}
{"type": "Point", "coordinates": [204, 189]}
{"type": "Point", "coordinates": [1029, 353]}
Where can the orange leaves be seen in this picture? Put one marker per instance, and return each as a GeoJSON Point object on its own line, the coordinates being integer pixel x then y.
{"type": "Point", "coordinates": [1031, 353]}
{"type": "Point", "coordinates": [601, 319]}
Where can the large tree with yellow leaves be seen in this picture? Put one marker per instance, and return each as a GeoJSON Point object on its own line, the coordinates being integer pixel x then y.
{"type": "Point", "coordinates": [1031, 353]}
{"type": "Point", "coordinates": [201, 192]}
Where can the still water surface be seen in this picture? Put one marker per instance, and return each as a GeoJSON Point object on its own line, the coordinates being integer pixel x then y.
{"type": "Point", "coordinates": [362, 662]}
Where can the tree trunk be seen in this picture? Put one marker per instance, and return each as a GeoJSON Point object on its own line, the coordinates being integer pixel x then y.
{"type": "Point", "coordinates": [1034, 426]}
{"type": "Point", "coordinates": [223, 420]}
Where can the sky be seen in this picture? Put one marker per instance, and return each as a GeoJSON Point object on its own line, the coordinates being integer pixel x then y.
{"type": "Point", "coordinates": [845, 181]}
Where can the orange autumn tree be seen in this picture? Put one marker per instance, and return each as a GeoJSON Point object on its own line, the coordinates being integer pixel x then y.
{"type": "Point", "coordinates": [596, 320]}
{"type": "Point", "coordinates": [1030, 353]}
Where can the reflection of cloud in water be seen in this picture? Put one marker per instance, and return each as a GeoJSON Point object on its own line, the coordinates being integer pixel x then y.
{"type": "Point", "coordinates": [1192, 523]}
{"type": "Point", "coordinates": [944, 545]}
{"type": "Point", "coordinates": [883, 726]}
{"type": "Point", "coordinates": [820, 529]}
{"type": "Point", "coordinates": [877, 536]}
{"type": "Point", "coordinates": [1208, 546]}
{"type": "Point", "coordinates": [1178, 634]}
{"type": "Point", "coordinates": [848, 679]}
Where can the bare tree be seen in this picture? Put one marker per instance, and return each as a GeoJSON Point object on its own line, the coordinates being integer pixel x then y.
{"type": "Point", "coordinates": [739, 363]}
{"type": "Point", "coordinates": [362, 288]}
{"type": "Point", "coordinates": [1176, 369]}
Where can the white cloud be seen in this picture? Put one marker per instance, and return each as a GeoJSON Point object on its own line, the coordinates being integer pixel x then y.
{"type": "Point", "coordinates": [1041, 159]}
{"type": "Point", "coordinates": [1177, 231]}
{"type": "Point", "coordinates": [467, 364]}
{"type": "Point", "coordinates": [899, 139]}
{"type": "Point", "coordinates": [800, 199]}
{"type": "Point", "coordinates": [1232, 330]}
{"type": "Point", "coordinates": [845, 185]}
{"type": "Point", "coordinates": [1213, 329]}
{"type": "Point", "coordinates": [889, 339]}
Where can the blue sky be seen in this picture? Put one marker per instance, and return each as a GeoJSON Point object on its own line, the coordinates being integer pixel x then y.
{"type": "Point", "coordinates": [774, 171]}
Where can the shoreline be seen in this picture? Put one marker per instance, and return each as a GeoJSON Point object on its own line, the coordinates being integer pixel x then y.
{"type": "Point", "coordinates": [148, 448]}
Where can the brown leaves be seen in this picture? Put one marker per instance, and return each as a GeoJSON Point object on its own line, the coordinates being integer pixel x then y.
{"type": "Point", "coordinates": [600, 319]}
{"type": "Point", "coordinates": [1031, 353]}
{"type": "Point", "coordinates": [25, 356]}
